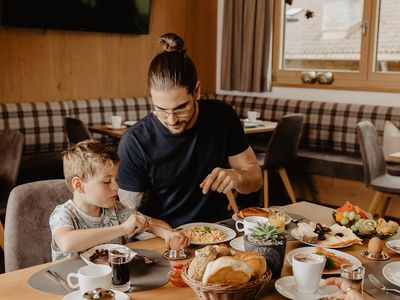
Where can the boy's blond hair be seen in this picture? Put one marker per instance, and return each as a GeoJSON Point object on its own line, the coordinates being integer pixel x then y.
{"type": "Point", "coordinates": [85, 159]}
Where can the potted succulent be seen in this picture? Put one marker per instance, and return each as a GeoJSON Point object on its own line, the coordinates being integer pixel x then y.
{"type": "Point", "coordinates": [270, 242]}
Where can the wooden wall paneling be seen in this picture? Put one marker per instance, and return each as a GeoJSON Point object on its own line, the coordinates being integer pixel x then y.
{"type": "Point", "coordinates": [39, 65]}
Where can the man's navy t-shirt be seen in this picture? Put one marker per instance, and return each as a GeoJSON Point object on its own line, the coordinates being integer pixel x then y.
{"type": "Point", "coordinates": [171, 167]}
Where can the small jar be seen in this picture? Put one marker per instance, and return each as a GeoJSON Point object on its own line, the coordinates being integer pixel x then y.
{"type": "Point", "coordinates": [175, 276]}
{"type": "Point", "coordinates": [99, 294]}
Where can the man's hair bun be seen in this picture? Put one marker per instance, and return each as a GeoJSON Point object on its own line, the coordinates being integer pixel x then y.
{"type": "Point", "coordinates": [171, 42]}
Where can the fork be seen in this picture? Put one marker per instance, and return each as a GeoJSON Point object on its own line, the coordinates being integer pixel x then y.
{"type": "Point", "coordinates": [297, 220]}
{"type": "Point", "coordinates": [379, 285]}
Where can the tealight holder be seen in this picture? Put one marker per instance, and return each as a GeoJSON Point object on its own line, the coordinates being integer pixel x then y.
{"type": "Point", "coordinates": [176, 254]}
{"type": "Point", "coordinates": [375, 256]}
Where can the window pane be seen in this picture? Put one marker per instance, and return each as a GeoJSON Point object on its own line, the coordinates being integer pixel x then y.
{"type": "Point", "coordinates": [322, 34]}
{"type": "Point", "coordinates": [388, 56]}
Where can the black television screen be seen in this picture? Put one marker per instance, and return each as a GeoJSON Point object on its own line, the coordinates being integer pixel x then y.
{"type": "Point", "coordinates": [121, 16]}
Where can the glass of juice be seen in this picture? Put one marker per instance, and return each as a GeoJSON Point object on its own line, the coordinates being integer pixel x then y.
{"type": "Point", "coordinates": [277, 217]}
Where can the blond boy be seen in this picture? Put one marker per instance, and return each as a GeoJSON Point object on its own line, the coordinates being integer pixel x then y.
{"type": "Point", "coordinates": [94, 215]}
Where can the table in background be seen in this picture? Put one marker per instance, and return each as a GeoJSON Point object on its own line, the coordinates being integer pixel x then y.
{"type": "Point", "coordinates": [264, 126]}
{"type": "Point", "coordinates": [14, 285]}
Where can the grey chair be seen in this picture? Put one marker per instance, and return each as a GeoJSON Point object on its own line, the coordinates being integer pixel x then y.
{"type": "Point", "coordinates": [76, 130]}
{"type": "Point", "coordinates": [281, 151]}
{"type": "Point", "coordinates": [11, 145]}
{"type": "Point", "coordinates": [27, 230]}
{"type": "Point", "coordinates": [376, 176]}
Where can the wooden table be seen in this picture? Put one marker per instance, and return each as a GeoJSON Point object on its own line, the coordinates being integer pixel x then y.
{"type": "Point", "coordinates": [14, 285]}
{"type": "Point", "coordinates": [265, 126]}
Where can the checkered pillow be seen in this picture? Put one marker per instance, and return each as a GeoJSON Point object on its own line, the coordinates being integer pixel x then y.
{"type": "Point", "coordinates": [327, 126]}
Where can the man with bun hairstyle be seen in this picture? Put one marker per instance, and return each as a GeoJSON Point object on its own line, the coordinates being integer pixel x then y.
{"type": "Point", "coordinates": [178, 163]}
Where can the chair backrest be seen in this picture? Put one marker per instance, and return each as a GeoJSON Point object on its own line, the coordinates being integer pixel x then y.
{"type": "Point", "coordinates": [27, 231]}
{"type": "Point", "coordinates": [11, 145]}
{"type": "Point", "coordinates": [76, 130]}
{"type": "Point", "coordinates": [371, 151]}
{"type": "Point", "coordinates": [284, 143]}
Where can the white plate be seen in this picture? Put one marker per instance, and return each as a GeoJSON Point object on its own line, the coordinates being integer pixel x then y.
{"type": "Point", "coordinates": [304, 250]}
{"type": "Point", "coordinates": [286, 286]}
{"type": "Point", "coordinates": [288, 219]}
{"type": "Point", "coordinates": [392, 243]}
{"type": "Point", "coordinates": [229, 233]}
{"type": "Point", "coordinates": [130, 123]}
{"type": "Point", "coordinates": [392, 272]}
{"type": "Point", "coordinates": [85, 255]}
{"type": "Point", "coordinates": [110, 127]}
{"type": "Point", "coordinates": [238, 243]}
{"type": "Point", "coordinates": [76, 295]}
{"type": "Point", "coordinates": [297, 237]}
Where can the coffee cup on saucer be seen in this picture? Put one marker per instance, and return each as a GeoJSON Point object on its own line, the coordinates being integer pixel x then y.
{"type": "Point", "coordinates": [91, 277]}
{"type": "Point", "coordinates": [249, 222]}
{"type": "Point", "coordinates": [307, 272]}
{"type": "Point", "coordinates": [116, 122]}
{"type": "Point", "coordinates": [252, 116]}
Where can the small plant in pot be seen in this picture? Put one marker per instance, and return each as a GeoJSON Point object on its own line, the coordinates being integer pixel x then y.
{"type": "Point", "coordinates": [270, 242]}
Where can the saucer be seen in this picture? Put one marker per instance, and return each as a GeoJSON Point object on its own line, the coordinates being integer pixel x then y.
{"type": "Point", "coordinates": [121, 127]}
{"type": "Point", "coordinates": [76, 295]}
{"type": "Point", "coordinates": [286, 286]}
{"type": "Point", "coordinates": [182, 255]}
{"type": "Point", "coordinates": [237, 243]}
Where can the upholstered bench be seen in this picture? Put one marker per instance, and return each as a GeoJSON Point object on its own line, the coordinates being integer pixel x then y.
{"type": "Point", "coordinates": [329, 143]}
{"type": "Point", "coordinates": [42, 124]}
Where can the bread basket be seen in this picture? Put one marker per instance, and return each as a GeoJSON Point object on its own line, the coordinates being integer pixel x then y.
{"type": "Point", "coordinates": [206, 291]}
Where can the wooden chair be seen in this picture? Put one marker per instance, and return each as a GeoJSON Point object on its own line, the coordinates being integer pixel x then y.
{"type": "Point", "coordinates": [281, 151]}
{"type": "Point", "coordinates": [76, 130]}
{"type": "Point", "coordinates": [376, 176]}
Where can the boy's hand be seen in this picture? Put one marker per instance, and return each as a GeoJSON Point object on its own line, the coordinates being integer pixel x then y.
{"type": "Point", "coordinates": [135, 224]}
{"type": "Point", "coordinates": [176, 240]}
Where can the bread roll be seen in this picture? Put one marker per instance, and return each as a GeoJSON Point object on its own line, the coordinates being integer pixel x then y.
{"type": "Point", "coordinates": [252, 211]}
{"type": "Point", "coordinates": [227, 270]}
{"type": "Point", "coordinates": [199, 263]}
{"type": "Point", "coordinates": [223, 251]}
{"type": "Point", "coordinates": [255, 261]}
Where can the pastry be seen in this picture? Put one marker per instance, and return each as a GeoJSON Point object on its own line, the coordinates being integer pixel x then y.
{"type": "Point", "coordinates": [255, 261]}
{"type": "Point", "coordinates": [252, 211]}
{"type": "Point", "coordinates": [310, 237]}
{"type": "Point", "coordinates": [227, 270]}
{"type": "Point", "coordinates": [223, 251]}
{"type": "Point", "coordinates": [199, 263]}
{"type": "Point", "coordinates": [386, 228]}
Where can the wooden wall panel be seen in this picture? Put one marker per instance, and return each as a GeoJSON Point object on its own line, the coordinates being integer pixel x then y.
{"type": "Point", "coordinates": [37, 65]}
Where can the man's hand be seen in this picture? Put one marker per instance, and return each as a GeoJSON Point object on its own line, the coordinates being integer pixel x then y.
{"type": "Point", "coordinates": [221, 180]}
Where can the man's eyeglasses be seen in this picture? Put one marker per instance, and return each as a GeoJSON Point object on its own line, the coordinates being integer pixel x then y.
{"type": "Point", "coordinates": [183, 112]}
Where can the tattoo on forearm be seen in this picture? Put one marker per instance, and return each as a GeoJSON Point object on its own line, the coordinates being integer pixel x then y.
{"type": "Point", "coordinates": [132, 200]}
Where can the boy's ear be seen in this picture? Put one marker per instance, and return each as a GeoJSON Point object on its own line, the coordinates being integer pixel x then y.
{"type": "Point", "coordinates": [77, 184]}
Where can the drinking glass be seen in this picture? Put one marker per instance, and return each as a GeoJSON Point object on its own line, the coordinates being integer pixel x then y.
{"type": "Point", "coordinates": [355, 274]}
{"type": "Point", "coordinates": [119, 259]}
{"type": "Point", "coordinates": [277, 217]}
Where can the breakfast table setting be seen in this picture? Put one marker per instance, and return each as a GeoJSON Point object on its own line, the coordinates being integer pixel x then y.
{"type": "Point", "coordinates": [151, 268]}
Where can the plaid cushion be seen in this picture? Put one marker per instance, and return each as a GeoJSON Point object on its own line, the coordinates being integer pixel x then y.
{"type": "Point", "coordinates": [327, 126]}
{"type": "Point", "coordinates": [99, 111]}
{"type": "Point", "coordinates": [42, 124]}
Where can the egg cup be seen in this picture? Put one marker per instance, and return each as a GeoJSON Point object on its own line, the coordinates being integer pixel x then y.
{"type": "Point", "coordinates": [375, 256]}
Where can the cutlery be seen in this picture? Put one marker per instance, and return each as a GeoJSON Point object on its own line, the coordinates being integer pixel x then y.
{"type": "Point", "coordinates": [297, 220]}
{"type": "Point", "coordinates": [147, 261]}
{"type": "Point", "coordinates": [54, 275]}
{"type": "Point", "coordinates": [379, 285]}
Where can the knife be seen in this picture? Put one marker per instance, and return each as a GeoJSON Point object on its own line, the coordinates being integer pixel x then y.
{"type": "Point", "coordinates": [54, 275]}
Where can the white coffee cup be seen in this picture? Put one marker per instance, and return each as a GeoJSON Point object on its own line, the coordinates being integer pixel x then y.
{"type": "Point", "coordinates": [91, 277]}
{"type": "Point", "coordinates": [252, 116]}
{"type": "Point", "coordinates": [307, 271]}
{"type": "Point", "coordinates": [250, 222]}
{"type": "Point", "coordinates": [116, 122]}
